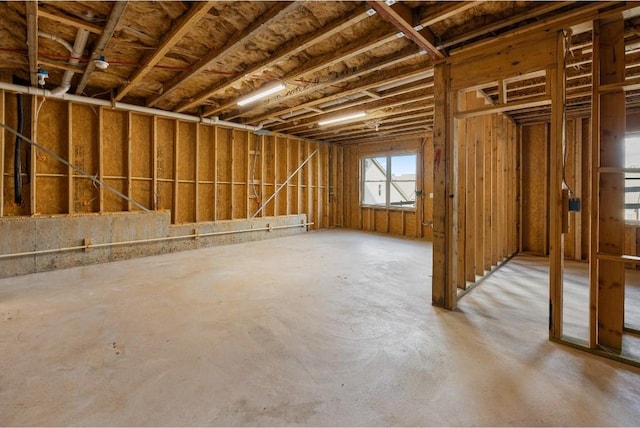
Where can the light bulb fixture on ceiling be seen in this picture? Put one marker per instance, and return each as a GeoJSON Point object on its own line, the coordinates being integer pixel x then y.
{"type": "Point", "coordinates": [262, 92]}
{"type": "Point", "coordinates": [101, 63]}
{"type": "Point", "coordinates": [344, 118]}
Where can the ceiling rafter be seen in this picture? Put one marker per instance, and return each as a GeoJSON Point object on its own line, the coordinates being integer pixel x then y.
{"type": "Point", "coordinates": [375, 66]}
{"type": "Point", "coordinates": [67, 20]}
{"type": "Point", "coordinates": [452, 9]}
{"type": "Point", "coordinates": [391, 117]}
{"type": "Point", "coordinates": [32, 40]}
{"type": "Point", "coordinates": [114, 19]}
{"type": "Point", "coordinates": [178, 31]}
{"type": "Point", "coordinates": [273, 14]}
{"type": "Point", "coordinates": [369, 105]}
{"type": "Point", "coordinates": [370, 82]}
{"type": "Point", "coordinates": [372, 104]}
{"type": "Point", "coordinates": [290, 48]}
{"type": "Point", "coordinates": [402, 17]}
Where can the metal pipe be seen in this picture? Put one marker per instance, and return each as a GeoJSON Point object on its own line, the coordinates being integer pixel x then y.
{"type": "Point", "coordinates": [284, 184]}
{"type": "Point", "coordinates": [148, 240]}
{"type": "Point", "coordinates": [75, 168]}
{"type": "Point", "coordinates": [30, 90]}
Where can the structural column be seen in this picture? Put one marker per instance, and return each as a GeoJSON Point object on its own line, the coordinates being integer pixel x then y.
{"type": "Point", "coordinates": [444, 290]}
{"type": "Point", "coordinates": [558, 213]}
{"type": "Point", "coordinates": [609, 127]}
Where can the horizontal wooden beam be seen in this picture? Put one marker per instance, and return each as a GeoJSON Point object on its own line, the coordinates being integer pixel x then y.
{"type": "Point", "coordinates": [178, 31]}
{"type": "Point", "coordinates": [275, 12]}
{"type": "Point", "coordinates": [67, 20]}
{"type": "Point", "coordinates": [400, 16]}
{"type": "Point", "coordinates": [105, 37]}
{"type": "Point", "coordinates": [501, 108]}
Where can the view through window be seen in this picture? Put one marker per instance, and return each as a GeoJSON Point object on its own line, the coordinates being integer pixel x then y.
{"type": "Point", "coordinates": [389, 181]}
{"type": "Point", "coordinates": [632, 179]}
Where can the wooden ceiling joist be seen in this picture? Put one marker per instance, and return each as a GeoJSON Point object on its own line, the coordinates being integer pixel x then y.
{"type": "Point", "coordinates": [107, 33]}
{"type": "Point", "coordinates": [401, 17]}
{"type": "Point", "coordinates": [290, 48]}
{"type": "Point", "coordinates": [371, 82]}
{"type": "Point", "coordinates": [178, 31]}
{"type": "Point", "coordinates": [276, 12]}
{"type": "Point", "coordinates": [375, 67]}
{"type": "Point", "coordinates": [68, 20]}
{"type": "Point", "coordinates": [32, 40]}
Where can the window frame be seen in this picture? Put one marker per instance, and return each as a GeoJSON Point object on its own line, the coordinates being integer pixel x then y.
{"type": "Point", "coordinates": [388, 180]}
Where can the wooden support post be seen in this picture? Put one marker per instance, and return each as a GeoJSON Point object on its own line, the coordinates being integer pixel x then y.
{"type": "Point", "coordinates": [232, 159]}
{"type": "Point", "coordinates": [154, 165]}
{"type": "Point", "coordinates": [444, 185]}
{"type": "Point", "coordinates": [495, 193]}
{"type": "Point", "coordinates": [287, 169]}
{"type": "Point", "coordinates": [176, 182]}
{"type": "Point", "coordinates": [556, 207]}
{"type": "Point", "coordinates": [129, 160]}
{"type": "Point", "coordinates": [263, 177]}
{"type": "Point", "coordinates": [608, 145]}
{"type": "Point", "coordinates": [276, 165]}
{"type": "Point", "coordinates": [248, 178]}
{"type": "Point", "coordinates": [100, 156]}
{"type": "Point", "coordinates": [577, 223]}
{"type": "Point", "coordinates": [470, 204]}
{"type": "Point", "coordinates": [479, 198]}
{"type": "Point", "coordinates": [2, 133]}
{"type": "Point", "coordinates": [488, 191]}
{"type": "Point", "coordinates": [196, 198]}
{"type": "Point", "coordinates": [70, 158]}
{"type": "Point", "coordinates": [215, 174]}
{"type": "Point", "coordinates": [460, 191]}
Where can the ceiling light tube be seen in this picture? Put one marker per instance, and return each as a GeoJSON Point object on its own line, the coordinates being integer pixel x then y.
{"type": "Point", "coordinates": [264, 91]}
{"type": "Point", "coordinates": [342, 118]}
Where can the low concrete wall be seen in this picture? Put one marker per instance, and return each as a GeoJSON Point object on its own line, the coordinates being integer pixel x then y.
{"type": "Point", "coordinates": [29, 234]}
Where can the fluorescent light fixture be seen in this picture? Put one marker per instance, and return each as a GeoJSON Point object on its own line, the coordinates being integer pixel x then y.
{"type": "Point", "coordinates": [343, 118]}
{"type": "Point", "coordinates": [264, 91]}
{"type": "Point", "coordinates": [390, 2]}
{"type": "Point", "coordinates": [400, 35]}
{"type": "Point", "coordinates": [371, 11]}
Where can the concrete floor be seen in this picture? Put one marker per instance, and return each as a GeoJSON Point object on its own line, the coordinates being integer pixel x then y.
{"type": "Point", "coordinates": [325, 328]}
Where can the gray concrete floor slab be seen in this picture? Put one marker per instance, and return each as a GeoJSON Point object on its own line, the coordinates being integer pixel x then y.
{"type": "Point", "coordinates": [326, 328]}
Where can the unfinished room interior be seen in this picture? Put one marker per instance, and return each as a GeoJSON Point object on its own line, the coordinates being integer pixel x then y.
{"type": "Point", "coordinates": [326, 213]}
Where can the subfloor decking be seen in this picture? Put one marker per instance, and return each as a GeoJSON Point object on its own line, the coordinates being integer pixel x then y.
{"type": "Point", "coordinates": [326, 328]}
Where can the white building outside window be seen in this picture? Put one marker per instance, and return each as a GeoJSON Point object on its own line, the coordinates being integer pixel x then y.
{"type": "Point", "coordinates": [389, 181]}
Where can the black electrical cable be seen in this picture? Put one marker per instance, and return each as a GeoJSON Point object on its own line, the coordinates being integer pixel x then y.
{"type": "Point", "coordinates": [17, 159]}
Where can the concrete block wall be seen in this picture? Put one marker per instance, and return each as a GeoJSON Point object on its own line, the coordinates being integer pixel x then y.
{"type": "Point", "coordinates": [32, 234]}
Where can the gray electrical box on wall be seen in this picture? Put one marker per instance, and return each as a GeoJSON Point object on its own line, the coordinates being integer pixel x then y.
{"type": "Point", "coordinates": [574, 204]}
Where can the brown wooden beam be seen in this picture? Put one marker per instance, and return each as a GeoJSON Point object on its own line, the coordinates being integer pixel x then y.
{"type": "Point", "coordinates": [276, 12]}
{"type": "Point", "coordinates": [32, 40]}
{"type": "Point", "coordinates": [67, 20]}
{"type": "Point", "coordinates": [178, 31]}
{"type": "Point", "coordinates": [109, 28]}
{"type": "Point", "coordinates": [372, 76]}
{"type": "Point", "coordinates": [400, 16]}
{"type": "Point", "coordinates": [288, 49]}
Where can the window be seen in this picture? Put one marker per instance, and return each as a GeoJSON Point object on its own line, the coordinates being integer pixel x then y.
{"type": "Point", "coordinates": [632, 179]}
{"type": "Point", "coordinates": [389, 181]}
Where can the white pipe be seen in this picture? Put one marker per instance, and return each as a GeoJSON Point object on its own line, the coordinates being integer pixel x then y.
{"type": "Point", "coordinates": [60, 40]}
{"type": "Point", "coordinates": [78, 49]}
{"type": "Point", "coordinates": [148, 240]}
{"type": "Point", "coordinates": [30, 90]}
